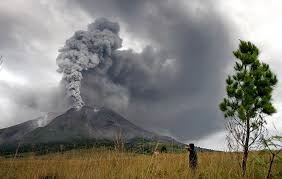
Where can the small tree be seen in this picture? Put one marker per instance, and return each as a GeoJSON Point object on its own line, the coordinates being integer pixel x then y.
{"type": "Point", "coordinates": [273, 145]}
{"type": "Point", "coordinates": [119, 142]}
{"type": "Point", "coordinates": [248, 101]}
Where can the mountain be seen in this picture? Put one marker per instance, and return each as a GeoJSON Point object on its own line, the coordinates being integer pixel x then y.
{"type": "Point", "coordinates": [89, 123]}
{"type": "Point", "coordinates": [15, 133]}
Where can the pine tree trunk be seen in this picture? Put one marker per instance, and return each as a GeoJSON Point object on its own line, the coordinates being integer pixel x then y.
{"type": "Point", "coordinates": [270, 166]}
{"type": "Point", "coordinates": [246, 149]}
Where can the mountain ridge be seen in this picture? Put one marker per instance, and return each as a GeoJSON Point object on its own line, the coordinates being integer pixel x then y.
{"type": "Point", "coordinates": [86, 123]}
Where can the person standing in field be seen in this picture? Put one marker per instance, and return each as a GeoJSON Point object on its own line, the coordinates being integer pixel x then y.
{"type": "Point", "coordinates": [193, 159]}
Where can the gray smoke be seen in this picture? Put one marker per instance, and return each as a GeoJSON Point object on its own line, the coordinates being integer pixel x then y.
{"type": "Point", "coordinates": [86, 50]}
{"type": "Point", "coordinates": [174, 86]}
{"type": "Point", "coordinates": [130, 78]}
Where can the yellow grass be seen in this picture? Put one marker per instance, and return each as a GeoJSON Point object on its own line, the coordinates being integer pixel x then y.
{"type": "Point", "coordinates": [104, 164]}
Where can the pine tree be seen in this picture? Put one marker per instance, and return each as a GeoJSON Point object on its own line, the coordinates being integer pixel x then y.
{"type": "Point", "coordinates": [249, 95]}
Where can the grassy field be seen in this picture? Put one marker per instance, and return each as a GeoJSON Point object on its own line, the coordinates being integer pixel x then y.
{"type": "Point", "coordinates": [104, 164]}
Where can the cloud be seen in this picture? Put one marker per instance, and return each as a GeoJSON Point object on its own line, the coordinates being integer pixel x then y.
{"type": "Point", "coordinates": [25, 102]}
{"type": "Point", "coordinates": [171, 86]}
{"type": "Point", "coordinates": [30, 37]}
{"type": "Point", "coordinates": [215, 141]}
{"type": "Point", "coordinates": [176, 82]}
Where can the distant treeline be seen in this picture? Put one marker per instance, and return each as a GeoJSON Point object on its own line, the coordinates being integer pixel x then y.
{"type": "Point", "coordinates": [136, 145]}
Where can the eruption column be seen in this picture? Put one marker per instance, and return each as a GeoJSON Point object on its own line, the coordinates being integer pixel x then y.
{"type": "Point", "coordinates": [86, 50]}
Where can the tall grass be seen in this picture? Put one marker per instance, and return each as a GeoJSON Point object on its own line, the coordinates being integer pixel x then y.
{"type": "Point", "coordinates": [106, 164]}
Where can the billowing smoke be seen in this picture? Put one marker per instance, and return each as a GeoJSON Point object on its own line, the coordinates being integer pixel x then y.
{"type": "Point", "coordinates": [158, 88]}
{"type": "Point", "coordinates": [86, 50]}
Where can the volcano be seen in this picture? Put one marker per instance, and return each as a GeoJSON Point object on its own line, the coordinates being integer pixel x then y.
{"type": "Point", "coordinates": [88, 123]}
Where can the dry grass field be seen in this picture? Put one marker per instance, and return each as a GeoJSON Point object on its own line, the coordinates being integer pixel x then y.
{"type": "Point", "coordinates": [105, 164]}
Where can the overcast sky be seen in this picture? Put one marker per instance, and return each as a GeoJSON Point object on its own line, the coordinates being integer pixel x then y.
{"type": "Point", "coordinates": [192, 39]}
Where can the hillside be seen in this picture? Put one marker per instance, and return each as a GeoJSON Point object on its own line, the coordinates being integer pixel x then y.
{"type": "Point", "coordinates": [89, 126]}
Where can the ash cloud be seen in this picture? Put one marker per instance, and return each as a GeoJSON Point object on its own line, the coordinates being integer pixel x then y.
{"type": "Point", "coordinates": [22, 102]}
{"type": "Point", "coordinates": [85, 50]}
{"type": "Point", "coordinates": [174, 85]}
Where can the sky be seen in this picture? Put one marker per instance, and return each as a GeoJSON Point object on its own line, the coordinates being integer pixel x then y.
{"type": "Point", "coordinates": [169, 74]}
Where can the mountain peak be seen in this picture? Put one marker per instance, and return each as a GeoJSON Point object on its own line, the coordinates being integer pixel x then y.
{"type": "Point", "coordinates": [87, 123]}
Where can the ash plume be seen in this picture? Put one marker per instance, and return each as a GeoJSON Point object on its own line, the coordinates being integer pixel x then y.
{"type": "Point", "coordinates": [86, 50]}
